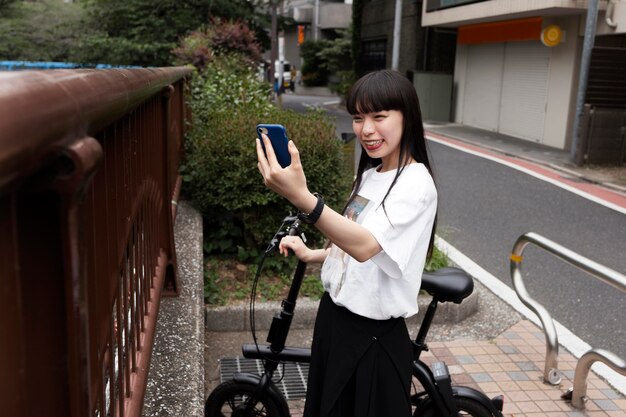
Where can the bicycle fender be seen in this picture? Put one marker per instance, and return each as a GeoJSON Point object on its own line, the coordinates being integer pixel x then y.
{"type": "Point", "coordinates": [272, 391]}
{"type": "Point", "coordinates": [467, 392]}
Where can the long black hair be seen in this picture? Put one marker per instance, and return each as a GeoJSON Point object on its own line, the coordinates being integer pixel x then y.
{"type": "Point", "coordinates": [389, 90]}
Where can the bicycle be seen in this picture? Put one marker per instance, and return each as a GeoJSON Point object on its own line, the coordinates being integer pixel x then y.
{"type": "Point", "coordinates": [247, 395]}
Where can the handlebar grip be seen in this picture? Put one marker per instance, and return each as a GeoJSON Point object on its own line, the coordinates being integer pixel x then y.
{"type": "Point", "coordinates": [294, 228]}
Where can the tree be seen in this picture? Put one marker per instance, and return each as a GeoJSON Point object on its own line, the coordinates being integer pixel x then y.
{"type": "Point", "coordinates": [38, 31]}
{"type": "Point", "coordinates": [143, 32]}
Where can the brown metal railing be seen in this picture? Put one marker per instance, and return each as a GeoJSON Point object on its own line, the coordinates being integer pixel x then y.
{"type": "Point", "coordinates": [88, 172]}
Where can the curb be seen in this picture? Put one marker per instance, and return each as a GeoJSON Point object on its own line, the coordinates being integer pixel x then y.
{"type": "Point", "coordinates": [236, 318]}
{"type": "Point", "coordinates": [175, 384]}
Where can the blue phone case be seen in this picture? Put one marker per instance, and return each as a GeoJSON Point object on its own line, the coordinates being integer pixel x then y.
{"type": "Point", "coordinates": [279, 139]}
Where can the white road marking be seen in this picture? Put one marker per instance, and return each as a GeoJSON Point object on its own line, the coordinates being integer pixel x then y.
{"type": "Point", "coordinates": [552, 181]}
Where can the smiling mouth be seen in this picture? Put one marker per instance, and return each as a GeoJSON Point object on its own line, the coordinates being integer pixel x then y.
{"type": "Point", "coordinates": [372, 145]}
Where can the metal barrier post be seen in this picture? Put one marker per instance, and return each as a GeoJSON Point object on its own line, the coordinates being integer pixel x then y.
{"type": "Point", "coordinates": [579, 392]}
{"type": "Point", "coordinates": [551, 372]}
{"type": "Point", "coordinates": [601, 272]}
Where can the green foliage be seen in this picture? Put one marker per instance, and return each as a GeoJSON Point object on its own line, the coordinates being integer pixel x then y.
{"type": "Point", "coordinates": [39, 31]}
{"type": "Point", "coordinates": [228, 85]}
{"type": "Point", "coordinates": [335, 56]}
{"type": "Point", "coordinates": [221, 37]}
{"type": "Point", "coordinates": [313, 71]}
{"type": "Point", "coordinates": [438, 260]}
{"type": "Point", "coordinates": [326, 57]}
{"type": "Point", "coordinates": [312, 287]}
{"type": "Point", "coordinates": [143, 32]}
{"type": "Point", "coordinates": [212, 292]}
{"type": "Point", "coordinates": [221, 175]}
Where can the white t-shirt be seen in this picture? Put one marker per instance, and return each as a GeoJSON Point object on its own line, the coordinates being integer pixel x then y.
{"type": "Point", "coordinates": [387, 284]}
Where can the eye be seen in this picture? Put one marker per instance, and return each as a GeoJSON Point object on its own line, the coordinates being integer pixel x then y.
{"type": "Point", "coordinates": [357, 119]}
{"type": "Point", "coordinates": [380, 116]}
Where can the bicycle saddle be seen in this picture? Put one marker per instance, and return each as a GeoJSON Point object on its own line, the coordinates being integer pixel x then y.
{"type": "Point", "coordinates": [448, 284]}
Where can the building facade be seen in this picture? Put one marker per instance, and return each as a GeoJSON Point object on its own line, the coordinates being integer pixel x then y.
{"type": "Point", "coordinates": [313, 19]}
{"type": "Point", "coordinates": [517, 62]}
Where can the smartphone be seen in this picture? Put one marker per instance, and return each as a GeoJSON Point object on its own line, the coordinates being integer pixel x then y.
{"type": "Point", "coordinates": [279, 139]}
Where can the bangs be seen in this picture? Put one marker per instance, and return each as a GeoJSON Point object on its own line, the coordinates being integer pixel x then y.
{"type": "Point", "coordinates": [374, 92]}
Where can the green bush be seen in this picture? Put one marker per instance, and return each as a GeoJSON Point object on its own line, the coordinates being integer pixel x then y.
{"type": "Point", "coordinates": [220, 37]}
{"type": "Point", "coordinates": [314, 73]}
{"type": "Point", "coordinates": [220, 173]}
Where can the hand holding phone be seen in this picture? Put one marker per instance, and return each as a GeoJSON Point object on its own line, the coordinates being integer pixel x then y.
{"type": "Point", "coordinates": [278, 137]}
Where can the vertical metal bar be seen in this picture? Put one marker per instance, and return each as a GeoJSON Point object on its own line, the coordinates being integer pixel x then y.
{"type": "Point", "coordinates": [12, 360]}
{"type": "Point", "coordinates": [583, 366]}
{"type": "Point", "coordinates": [167, 232]}
{"type": "Point", "coordinates": [397, 27]}
{"type": "Point", "coordinates": [585, 60]}
{"type": "Point", "coordinates": [551, 372]}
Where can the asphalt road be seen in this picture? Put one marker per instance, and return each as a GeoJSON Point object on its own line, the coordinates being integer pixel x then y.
{"type": "Point", "coordinates": [485, 206]}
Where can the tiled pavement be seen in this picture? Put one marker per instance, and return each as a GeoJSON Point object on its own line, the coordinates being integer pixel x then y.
{"type": "Point", "coordinates": [511, 364]}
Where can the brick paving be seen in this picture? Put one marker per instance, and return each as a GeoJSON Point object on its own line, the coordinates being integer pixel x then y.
{"type": "Point", "coordinates": [512, 364]}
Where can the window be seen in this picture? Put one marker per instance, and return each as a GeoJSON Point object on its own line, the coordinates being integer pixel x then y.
{"type": "Point", "coordinates": [373, 56]}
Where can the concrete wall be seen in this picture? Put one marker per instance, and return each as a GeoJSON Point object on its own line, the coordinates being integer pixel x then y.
{"type": "Point", "coordinates": [562, 83]}
{"type": "Point", "coordinates": [617, 16]}
{"type": "Point", "coordinates": [502, 9]}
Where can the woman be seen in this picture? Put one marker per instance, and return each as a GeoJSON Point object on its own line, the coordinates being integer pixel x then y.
{"type": "Point", "coordinates": [361, 354]}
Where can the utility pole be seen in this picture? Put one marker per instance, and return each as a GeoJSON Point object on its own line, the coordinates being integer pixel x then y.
{"type": "Point", "coordinates": [397, 25]}
{"type": "Point", "coordinates": [585, 61]}
{"type": "Point", "coordinates": [316, 20]}
{"type": "Point", "coordinates": [274, 42]}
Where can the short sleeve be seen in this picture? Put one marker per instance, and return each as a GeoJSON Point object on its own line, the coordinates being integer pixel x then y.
{"type": "Point", "coordinates": [403, 226]}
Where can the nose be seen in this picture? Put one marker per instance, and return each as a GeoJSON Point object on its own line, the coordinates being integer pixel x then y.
{"type": "Point", "coordinates": [368, 126]}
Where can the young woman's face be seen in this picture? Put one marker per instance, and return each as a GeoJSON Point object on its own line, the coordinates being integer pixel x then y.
{"type": "Point", "coordinates": [380, 134]}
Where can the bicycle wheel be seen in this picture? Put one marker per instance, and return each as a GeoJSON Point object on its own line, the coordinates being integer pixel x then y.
{"type": "Point", "coordinates": [466, 406]}
{"type": "Point", "coordinates": [230, 398]}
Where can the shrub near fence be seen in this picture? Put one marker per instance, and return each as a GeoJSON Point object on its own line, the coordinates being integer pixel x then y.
{"type": "Point", "coordinates": [222, 178]}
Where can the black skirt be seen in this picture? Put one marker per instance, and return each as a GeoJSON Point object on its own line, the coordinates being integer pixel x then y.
{"type": "Point", "coordinates": [359, 367]}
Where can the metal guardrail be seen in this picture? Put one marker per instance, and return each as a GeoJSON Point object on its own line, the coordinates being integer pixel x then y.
{"type": "Point", "coordinates": [88, 170]}
{"type": "Point", "coordinates": [613, 278]}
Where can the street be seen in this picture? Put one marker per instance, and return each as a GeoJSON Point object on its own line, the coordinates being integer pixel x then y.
{"type": "Point", "coordinates": [485, 206]}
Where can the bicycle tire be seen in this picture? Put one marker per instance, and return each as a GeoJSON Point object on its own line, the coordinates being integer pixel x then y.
{"type": "Point", "coordinates": [228, 400]}
{"type": "Point", "coordinates": [466, 407]}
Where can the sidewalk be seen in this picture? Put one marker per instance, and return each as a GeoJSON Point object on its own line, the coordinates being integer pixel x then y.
{"type": "Point", "coordinates": [510, 363]}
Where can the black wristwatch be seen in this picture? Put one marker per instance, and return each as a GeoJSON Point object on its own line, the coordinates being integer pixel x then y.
{"type": "Point", "coordinates": [313, 216]}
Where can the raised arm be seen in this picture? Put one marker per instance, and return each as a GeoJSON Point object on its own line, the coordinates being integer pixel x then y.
{"type": "Point", "coordinates": [290, 182]}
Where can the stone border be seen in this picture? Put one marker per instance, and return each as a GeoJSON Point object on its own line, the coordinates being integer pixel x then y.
{"type": "Point", "coordinates": [235, 318]}
{"type": "Point", "coordinates": [176, 376]}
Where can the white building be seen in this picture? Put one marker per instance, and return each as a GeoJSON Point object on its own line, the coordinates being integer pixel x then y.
{"type": "Point", "coordinates": [314, 19]}
{"type": "Point", "coordinates": [517, 63]}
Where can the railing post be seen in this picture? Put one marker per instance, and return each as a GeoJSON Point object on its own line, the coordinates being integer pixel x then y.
{"type": "Point", "coordinates": [171, 274]}
{"type": "Point", "coordinates": [551, 372]}
{"type": "Point", "coordinates": [53, 283]}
